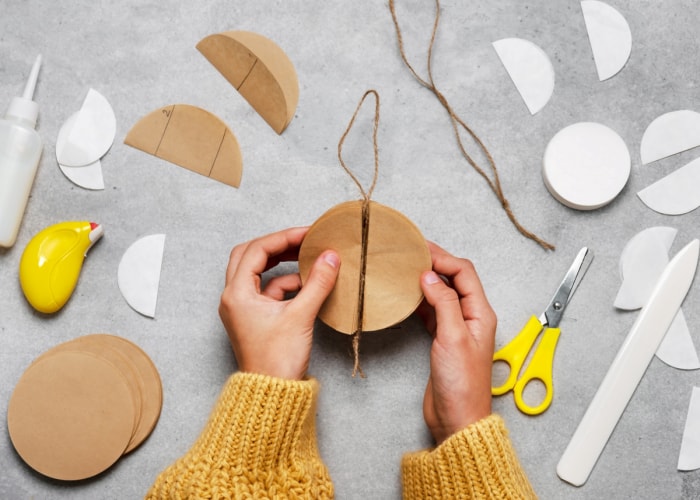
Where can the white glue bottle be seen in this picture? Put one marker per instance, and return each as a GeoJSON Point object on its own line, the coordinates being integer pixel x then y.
{"type": "Point", "coordinates": [20, 151]}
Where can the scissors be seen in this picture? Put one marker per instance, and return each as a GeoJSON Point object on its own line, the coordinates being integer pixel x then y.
{"type": "Point", "coordinates": [540, 367]}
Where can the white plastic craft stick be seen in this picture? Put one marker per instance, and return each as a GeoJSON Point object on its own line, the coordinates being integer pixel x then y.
{"type": "Point", "coordinates": [675, 194]}
{"type": "Point", "coordinates": [689, 456]}
{"type": "Point", "coordinates": [610, 37]}
{"type": "Point", "coordinates": [643, 260]}
{"type": "Point", "coordinates": [529, 68]}
{"type": "Point", "coordinates": [91, 135]}
{"type": "Point", "coordinates": [138, 274]}
{"type": "Point", "coordinates": [628, 367]}
{"type": "Point", "coordinates": [669, 134]}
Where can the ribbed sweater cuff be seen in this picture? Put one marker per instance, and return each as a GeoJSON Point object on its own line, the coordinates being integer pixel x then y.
{"type": "Point", "coordinates": [477, 462]}
{"type": "Point", "coordinates": [260, 439]}
{"type": "Point", "coordinates": [265, 422]}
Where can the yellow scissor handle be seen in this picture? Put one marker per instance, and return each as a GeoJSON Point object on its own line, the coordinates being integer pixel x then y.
{"type": "Point", "coordinates": [540, 368]}
{"type": "Point", "coordinates": [515, 352]}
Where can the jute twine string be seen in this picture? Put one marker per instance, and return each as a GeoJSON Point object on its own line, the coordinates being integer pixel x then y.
{"type": "Point", "coordinates": [366, 195]}
{"type": "Point", "coordinates": [457, 122]}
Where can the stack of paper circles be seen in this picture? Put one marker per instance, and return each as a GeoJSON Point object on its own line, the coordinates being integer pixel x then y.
{"type": "Point", "coordinates": [586, 165]}
{"type": "Point", "coordinates": [82, 405]}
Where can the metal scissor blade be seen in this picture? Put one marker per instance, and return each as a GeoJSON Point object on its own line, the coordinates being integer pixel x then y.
{"type": "Point", "coordinates": [552, 315]}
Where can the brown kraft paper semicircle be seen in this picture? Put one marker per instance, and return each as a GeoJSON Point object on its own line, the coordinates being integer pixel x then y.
{"type": "Point", "coordinates": [192, 138]}
{"type": "Point", "coordinates": [260, 71]}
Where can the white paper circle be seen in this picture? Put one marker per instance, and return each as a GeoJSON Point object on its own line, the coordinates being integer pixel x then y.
{"type": "Point", "coordinates": [586, 165]}
{"type": "Point", "coordinates": [91, 135]}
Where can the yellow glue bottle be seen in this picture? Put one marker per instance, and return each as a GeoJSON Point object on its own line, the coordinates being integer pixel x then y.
{"type": "Point", "coordinates": [20, 151]}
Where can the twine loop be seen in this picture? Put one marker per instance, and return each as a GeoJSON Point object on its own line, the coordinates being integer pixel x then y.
{"type": "Point", "coordinates": [366, 196]}
{"type": "Point", "coordinates": [458, 123]}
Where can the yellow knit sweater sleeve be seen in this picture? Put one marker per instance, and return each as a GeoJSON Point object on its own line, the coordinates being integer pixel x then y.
{"type": "Point", "coordinates": [477, 462]}
{"type": "Point", "coordinates": [259, 442]}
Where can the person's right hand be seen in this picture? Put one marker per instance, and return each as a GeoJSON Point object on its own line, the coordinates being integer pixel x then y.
{"type": "Point", "coordinates": [271, 335]}
{"type": "Point", "coordinates": [463, 326]}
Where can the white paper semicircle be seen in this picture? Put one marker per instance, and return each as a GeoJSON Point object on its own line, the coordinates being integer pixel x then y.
{"type": "Point", "coordinates": [530, 69]}
{"type": "Point", "coordinates": [689, 456]}
{"type": "Point", "coordinates": [675, 194]}
{"type": "Point", "coordinates": [677, 349]}
{"type": "Point", "coordinates": [609, 35]}
{"type": "Point", "coordinates": [138, 274]}
{"type": "Point", "coordinates": [641, 263]}
{"type": "Point", "coordinates": [92, 133]}
{"type": "Point", "coordinates": [89, 176]}
{"type": "Point", "coordinates": [669, 134]}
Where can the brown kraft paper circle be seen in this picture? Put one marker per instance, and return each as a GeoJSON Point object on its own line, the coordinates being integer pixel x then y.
{"type": "Point", "coordinates": [151, 388]}
{"type": "Point", "coordinates": [111, 355]}
{"type": "Point", "coordinates": [71, 415]}
{"type": "Point", "coordinates": [141, 373]}
{"type": "Point", "coordinates": [397, 254]}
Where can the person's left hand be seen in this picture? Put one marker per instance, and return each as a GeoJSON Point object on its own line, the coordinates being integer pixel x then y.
{"type": "Point", "coordinates": [271, 335]}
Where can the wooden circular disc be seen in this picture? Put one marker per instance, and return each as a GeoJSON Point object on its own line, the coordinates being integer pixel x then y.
{"type": "Point", "coordinates": [71, 415]}
{"type": "Point", "coordinates": [397, 255]}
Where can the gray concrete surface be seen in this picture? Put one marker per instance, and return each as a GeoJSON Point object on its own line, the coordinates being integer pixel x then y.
{"type": "Point", "coordinates": [141, 55]}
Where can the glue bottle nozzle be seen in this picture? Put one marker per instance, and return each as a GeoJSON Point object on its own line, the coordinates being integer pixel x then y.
{"type": "Point", "coordinates": [31, 81]}
{"type": "Point", "coordinates": [24, 108]}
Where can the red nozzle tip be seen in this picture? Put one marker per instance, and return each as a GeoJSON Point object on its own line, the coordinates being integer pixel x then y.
{"type": "Point", "coordinates": [93, 225]}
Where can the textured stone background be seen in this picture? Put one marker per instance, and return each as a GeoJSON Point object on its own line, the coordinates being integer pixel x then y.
{"type": "Point", "coordinates": [141, 55]}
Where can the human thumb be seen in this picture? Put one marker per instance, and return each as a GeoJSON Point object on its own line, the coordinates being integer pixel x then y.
{"type": "Point", "coordinates": [448, 313]}
{"type": "Point", "coordinates": [320, 283]}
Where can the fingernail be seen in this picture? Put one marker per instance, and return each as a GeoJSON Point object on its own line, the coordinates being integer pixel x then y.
{"type": "Point", "coordinates": [430, 278]}
{"type": "Point", "coordinates": [332, 259]}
